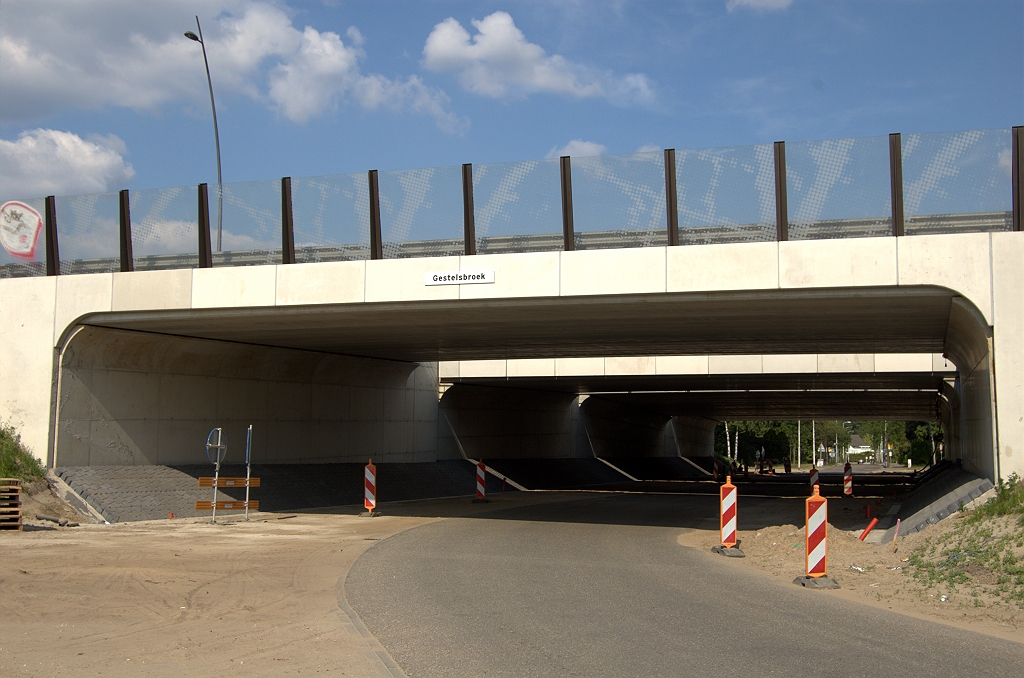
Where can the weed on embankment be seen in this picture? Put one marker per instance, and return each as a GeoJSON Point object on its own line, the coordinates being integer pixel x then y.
{"type": "Point", "coordinates": [983, 555]}
{"type": "Point", "coordinates": [15, 460]}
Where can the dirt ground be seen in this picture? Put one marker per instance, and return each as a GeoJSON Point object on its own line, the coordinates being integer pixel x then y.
{"type": "Point", "coordinates": [870, 573]}
{"type": "Point", "coordinates": [184, 597]}
{"type": "Point", "coordinates": [38, 500]}
{"type": "Point", "coordinates": [187, 598]}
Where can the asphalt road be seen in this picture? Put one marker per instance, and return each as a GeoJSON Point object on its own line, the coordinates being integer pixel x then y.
{"type": "Point", "coordinates": [599, 586]}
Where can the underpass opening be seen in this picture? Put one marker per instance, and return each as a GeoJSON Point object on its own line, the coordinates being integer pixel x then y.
{"type": "Point", "coordinates": [373, 358]}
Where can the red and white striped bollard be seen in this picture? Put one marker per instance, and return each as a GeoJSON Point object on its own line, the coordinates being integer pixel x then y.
{"type": "Point", "coordinates": [727, 506]}
{"type": "Point", "coordinates": [370, 487]}
{"type": "Point", "coordinates": [816, 511]}
{"type": "Point", "coordinates": [814, 477]}
{"type": "Point", "coordinates": [481, 483]}
{"type": "Point", "coordinates": [848, 479]}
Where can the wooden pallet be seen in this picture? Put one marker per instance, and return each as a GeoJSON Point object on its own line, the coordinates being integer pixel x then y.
{"type": "Point", "coordinates": [10, 504]}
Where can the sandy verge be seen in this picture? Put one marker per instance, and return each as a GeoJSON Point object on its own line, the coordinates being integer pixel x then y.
{"type": "Point", "coordinates": [183, 597]}
{"type": "Point", "coordinates": [869, 573]}
{"type": "Point", "coordinates": [187, 598]}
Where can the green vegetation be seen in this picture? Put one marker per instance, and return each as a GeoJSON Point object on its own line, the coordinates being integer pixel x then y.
{"type": "Point", "coordinates": [914, 440]}
{"type": "Point", "coordinates": [983, 555]}
{"type": "Point", "coordinates": [15, 460]}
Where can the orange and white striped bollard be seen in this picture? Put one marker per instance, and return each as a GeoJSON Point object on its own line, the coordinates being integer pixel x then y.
{"type": "Point", "coordinates": [370, 487]}
{"type": "Point", "coordinates": [727, 506]}
{"type": "Point", "coordinates": [814, 478]}
{"type": "Point", "coordinates": [847, 479]}
{"type": "Point", "coordinates": [481, 483]}
{"type": "Point", "coordinates": [816, 510]}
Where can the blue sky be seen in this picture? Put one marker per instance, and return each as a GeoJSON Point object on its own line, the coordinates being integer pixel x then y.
{"type": "Point", "coordinates": [107, 94]}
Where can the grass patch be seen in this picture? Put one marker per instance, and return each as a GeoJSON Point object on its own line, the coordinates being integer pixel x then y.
{"type": "Point", "coordinates": [15, 460]}
{"type": "Point", "coordinates": [983, 553]}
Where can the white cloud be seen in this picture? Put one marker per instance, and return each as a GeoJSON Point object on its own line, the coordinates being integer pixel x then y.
{"type": "Point", "coordinates": [1005, 162]}
{"type": "Point", "coordinates": [759, 5]}
{"type": "Point", "coordinates": [499, 62]}
{"type": "Point", "coordinates": [50, 162]}
{"type": "Point", "coordinates": [577, 148]}
{"type": "Point", "coordinates": [125, 53]}
{"type": "Point", "coordinates": [649, 148]}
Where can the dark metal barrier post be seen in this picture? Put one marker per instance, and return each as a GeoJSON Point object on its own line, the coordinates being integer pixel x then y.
{"type": "Point", "coordinates": [1017, 178]}
{"type": "Point", "coordinates": [52, 253]}
{"type": "Point", "coordinates": [781, 203]}
{"type": "Point", "coordinates": [567, 227]}
{"type": "Point", "coordinates": [376, 241]}
{"type": "Point", "coordinates": [671, 208]}
{"type": "Point", "coordinates": [287, 227]}
{"type": "Point", "coordinates": [205, 254]}
{"type": "Point", "coordinates": [896, 182]}
{"type": "Point", "coordinates": [124, 209]}
{"type": "Point", "coordinates": [468, 216]}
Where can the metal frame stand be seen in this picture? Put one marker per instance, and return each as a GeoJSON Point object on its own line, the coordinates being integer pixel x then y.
{"type": "Point", "coordinates": [221, 450]}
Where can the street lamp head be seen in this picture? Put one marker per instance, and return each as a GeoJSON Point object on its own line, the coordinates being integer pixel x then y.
{"type": "Point", "coordinates": [192, 36]}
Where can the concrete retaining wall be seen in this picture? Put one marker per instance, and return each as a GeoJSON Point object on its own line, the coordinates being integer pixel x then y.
{"type": "Point", "coordinates": [129, 398]}
{"type": "Point", "coordinates": [509, 423]}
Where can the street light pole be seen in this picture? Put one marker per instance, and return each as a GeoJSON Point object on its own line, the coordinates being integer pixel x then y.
{"type": "Point", "coordinates": [216, 135]}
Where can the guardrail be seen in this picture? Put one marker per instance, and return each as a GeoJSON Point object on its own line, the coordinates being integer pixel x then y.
{"type": "Point", "coordinates": [956, 182]}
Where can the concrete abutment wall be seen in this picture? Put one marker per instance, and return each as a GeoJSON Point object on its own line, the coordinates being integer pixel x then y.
{"type": "Point", "coordinates": [131, 398]}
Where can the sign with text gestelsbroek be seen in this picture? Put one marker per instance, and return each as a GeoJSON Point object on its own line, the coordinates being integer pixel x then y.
{"type": "Point", "coordinates": [458, 278]}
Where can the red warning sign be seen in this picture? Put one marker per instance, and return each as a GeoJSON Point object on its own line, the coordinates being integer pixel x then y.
{"type": "Point", "coordinates": [19, 229]}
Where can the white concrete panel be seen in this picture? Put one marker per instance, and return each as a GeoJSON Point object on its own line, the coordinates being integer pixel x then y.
{"type": "Point", "coordinates": [402, 279]}
{"type": "Point", "coordinates": [116, 394]}
{"type": "Point", "coordinates": [846, 362]}
{"type": "Point", "coordinates": [367, 404]}
{"type": "Point", "coordinates": [78, 295]}
{"type": "Point", "coordinates": [959, 262]}
{"type": "Point", "coordinates": [630, 365]}
{"type": "Point", "coordinates": [789, 364]}
{"type": "Point", "coordinates": [742, 266]}
{"type": "Point", "coordinates": [940, 364]}
{"type": "Point", "coordinates": [734, 364]}
{"type": "Point", "coordinates": [482, 368]}
{"type": "Point", "coordinates": [188, 397]}
{"type": "Point", "coordinates": [851, 262]}
{"type": "Point", "coordinates": [232, 287]}
{"type": "Point", "coordinates": [533, 274]}
{"type": "Point", "coordinates": [637, 270]}
{"type": "Point", "coordinates": [242, 399]}
{"type": "Point", "coordinates": [682, 364]}
{"type": "Point", "coordinates": [578, 367]}
{"type": "Point", "coordinates": [448, 369]}
{"type": "Point", "coordinates": [331, 282]}
{"type": "Point", "coordinates": [152, 290]}
{"type": "Point", "coordinates": [530, 367]}
{"type": "Point", "coordinates": [1008, 342]}
{"type": "Point", "coordinates": [26, 362]}
{"type": "Point", "coordinates": [903, 362]}
{"type": "Point", "coordinates": [330, 402]}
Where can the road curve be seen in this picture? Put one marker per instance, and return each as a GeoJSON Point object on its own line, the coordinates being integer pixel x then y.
{"type": "Point", "coordinates": [599, 586]}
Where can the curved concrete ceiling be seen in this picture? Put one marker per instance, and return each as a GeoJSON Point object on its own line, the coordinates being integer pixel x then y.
{"type": "Point", "coordinates": [849, 320]}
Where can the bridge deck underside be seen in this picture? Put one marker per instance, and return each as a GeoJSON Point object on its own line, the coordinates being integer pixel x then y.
{"type": "Point", "coordinates": [780, 321]}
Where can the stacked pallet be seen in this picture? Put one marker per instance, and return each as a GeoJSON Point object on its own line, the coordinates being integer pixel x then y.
{"type": "Point", "coordinates": [10, 504]}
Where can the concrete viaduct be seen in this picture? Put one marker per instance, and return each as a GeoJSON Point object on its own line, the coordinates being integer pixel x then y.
{"type": "Point", "coordinates": [339, 361]}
